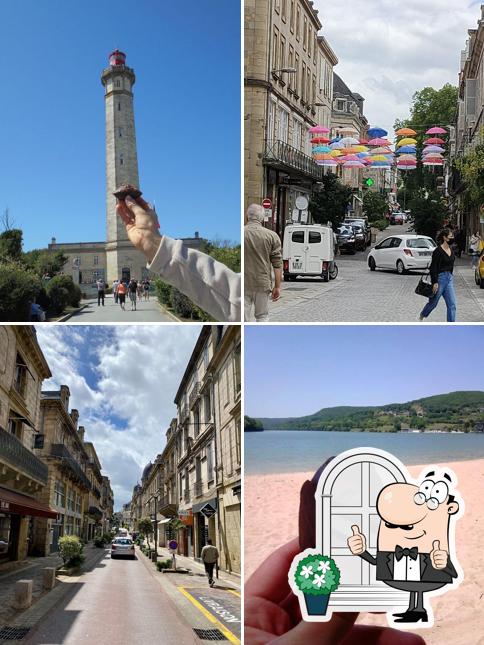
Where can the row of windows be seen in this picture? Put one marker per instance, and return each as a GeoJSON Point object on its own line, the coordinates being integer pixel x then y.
{"type": "Point", "coordinates": [299, 140]}
{"type": "Point", "coordinates": [308, 39]}
{"type": "Point", "coordinates": [77, 260]}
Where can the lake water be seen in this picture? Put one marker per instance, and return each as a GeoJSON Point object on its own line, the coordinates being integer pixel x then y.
{"type": "Point", "coordinates": [303, 451]}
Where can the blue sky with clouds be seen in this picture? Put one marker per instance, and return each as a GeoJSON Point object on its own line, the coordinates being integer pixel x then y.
{"type": "Point", "coordinates": [123, 380]}
{"type": "Point", "coordinates": [388, 50]}
{"type": "Point", "coordinates": [297, 370]}
{"type": "Point", "coordinates": [186, 57]}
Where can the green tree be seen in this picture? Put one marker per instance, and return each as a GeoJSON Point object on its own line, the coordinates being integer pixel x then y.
{"type": "Point", "coordinates": [330, 202]}
{"type": "Point", "coordinates": [429, 213]}
{"type": "Point", "coordinates": [251, 424]}
{"type": "Point", "coordinates": [43, 261]}
{"type": "Point", "coordinates": [375, 205]}
{"type": "Point", "coordinates": [11, 245]}
{"type": "Point", "coordinates": [18, 289]}
{"type": "Point", "coordinates": [471, 167]}
{"type": "Point", "coordinates": [145, 526]}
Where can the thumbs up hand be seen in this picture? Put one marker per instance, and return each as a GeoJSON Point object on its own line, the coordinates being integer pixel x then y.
{"type": "Point", "coordinates": [357, 542]}
{"type": "Point", "coordinates": [438, 557]}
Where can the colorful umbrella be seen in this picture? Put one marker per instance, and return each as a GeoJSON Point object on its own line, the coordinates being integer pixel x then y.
{"type": "Point", "coordinates": [408, 132]}
{"type": "Point", "coordinates": [406, 162]}
{"type": "Point", "coordinates": [407, 149]}
{"type": "Point", "coordinates": [379, 142]}
{"type": "Point", "coordinates": [353, 164]}
{"type": "Point", "coordinates": [355, 149]}
{"type": "Point", "coordinates": [436, 130]}
{"type": "Point", "coordinates": [379, 158]}
{"type": "Point", "coordinates": [382, 150]}
{"type": "Point", "coordinates": [321, 148]}
{"type": "Point", "coordinates": [374, 133]}
{"type": "Point", "coordinates": [319, 129]}
{"type": "Point", "coordinates": [347, 131]}
{"type": "Point", "coordinates": [364, 142]}
{"type": "Point", "coordinates": [338, 145]}
{"type": "Point", "coordinates": [350, 141]}
{"type": "Point", "coordinates": [434, 141]}
{"type": "Point", "coordinates": [335, 153]}
{"type": "Point", "coordinates": [405, 157]}
{"type": "Point", "coordinates": [320, 140]}
{"type": "Point", "coordinates": [407, 167]}
{"type": "Point", "coordinates": [350, 158]}
{"type": "Point", "coordinates": [408, 141]}
{"type": "Point", "coordinates": [433, 149]}
{"type": "Point", "coordinates": [327, 163]}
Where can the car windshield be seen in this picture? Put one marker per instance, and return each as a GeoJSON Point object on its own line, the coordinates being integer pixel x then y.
{"type": "Point", "coordinates": [123, 541]}
{"type": "Point", "coordinates": [344, 231]}
{"type": "Point", "coordinates": [420, 243]}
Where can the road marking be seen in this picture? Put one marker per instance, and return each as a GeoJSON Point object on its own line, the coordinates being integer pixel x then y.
{"type": "Point", "coordinates": [236, 593]}
{"type": "Point", "coordinates": [226, 632]}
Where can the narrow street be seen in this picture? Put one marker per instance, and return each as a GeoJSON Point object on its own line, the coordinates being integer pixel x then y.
{"type": "Point", "coordinates": [127, 601]}
{"type": "Point", "coordinates": [360, 295]}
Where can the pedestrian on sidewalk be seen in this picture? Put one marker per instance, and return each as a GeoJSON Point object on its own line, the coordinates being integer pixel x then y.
{"type": "Point", "coordinates": [441, 273]}
{"type": "Point", "coordinates": [133, 288]}
{"type": "Point", "coordinates": [209, 557]}
{"type": "Point", "coordinates": [146, 287]}
{"type": "Point", "coordinates": [140, 290]}
{"type": "Point", "coordinates": [475, 245]}
{"type": "Point", "coordinates": [208, 283]}
{"type": "Point", "coordinates": [262, 254]}
{"type": "Point", "coordinates": [115, 290]}
{"type": "Point", "coordinates": [101, 286]}
{"type": "Point", "coordinates": [122, 289]}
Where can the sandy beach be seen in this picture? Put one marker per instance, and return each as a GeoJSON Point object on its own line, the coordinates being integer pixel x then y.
{"type": "Point", "coordinates": [271, 510]}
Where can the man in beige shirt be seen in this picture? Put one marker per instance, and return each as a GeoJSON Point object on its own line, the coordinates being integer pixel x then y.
{"type": "Point", "coordinates": [262, 254]}
{"type": "Point", "coordinates": [209, 557]}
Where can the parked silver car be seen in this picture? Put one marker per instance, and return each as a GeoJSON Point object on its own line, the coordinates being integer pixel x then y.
{"type": "Point", "coordinates": [122, 547]}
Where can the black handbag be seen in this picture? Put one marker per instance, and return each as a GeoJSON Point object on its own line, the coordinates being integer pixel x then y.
{"type": "Point", "coordinates": [424, 287]}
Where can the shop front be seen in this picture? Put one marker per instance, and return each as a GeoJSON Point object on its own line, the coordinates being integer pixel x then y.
{"type": "Point", "coordinates": [17, 512]}
{"type": "Point", "coordinates": [185, 535]}
{"type": "Point", "coordinates": [204, 515]}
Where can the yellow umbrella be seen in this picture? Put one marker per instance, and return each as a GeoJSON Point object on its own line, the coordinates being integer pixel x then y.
{"type": "Point", "coordinates": [406, 132]}
{"type": "Point", "coordinates": [407, 142]}
{"type": "Point", "coordinates": [335, 153]}
{"type": "Point", "coordinates": [378, 158]}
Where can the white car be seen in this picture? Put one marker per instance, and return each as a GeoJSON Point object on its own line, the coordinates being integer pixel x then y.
{"type": "Point", "coordinates": [402, 252]}
{"type": "Point", "coordinates": [122, 546]}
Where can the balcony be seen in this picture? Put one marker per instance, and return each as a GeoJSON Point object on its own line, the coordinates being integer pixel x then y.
{"type": "Point", "coordinates": [280, 154]}
{"type": "Point", "coordinates": [95, 512]}
{"type": "Point", "coordinates": [194, 394]}
{"type": "Point", "coordinates": [69, 464]}
{"type": "Point", "coordinates": [15, 454]}
{"type": "Point", "coordinates": [96, 492]}
{"type": "Point", "coordinates": [184, 412]}
{"type": "Point", "coordinates": [198, 488]}
{"type": "Point", "coordinates": [186, 495]}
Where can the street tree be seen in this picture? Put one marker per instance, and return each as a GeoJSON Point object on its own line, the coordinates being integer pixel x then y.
{"type": "Point", "coordinates": [145, 526]}
{"type": "Point", "coordinates": [45, 262]}
{"type": "Point", "coordinates": [330, 201]}
{"type": "Point", "coordinates": [11, 245]}
{"type": "Point", "coordinates": [428, 212]}
{"type": "Point", "coordinates": [375, 205]}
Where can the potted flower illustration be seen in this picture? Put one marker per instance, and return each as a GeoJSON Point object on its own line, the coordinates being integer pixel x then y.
{"type": "Point", "coordinates": [316, 576]}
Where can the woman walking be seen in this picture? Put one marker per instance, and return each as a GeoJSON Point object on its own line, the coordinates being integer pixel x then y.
{"type": "Point", "coordinates": [133, 287]}
{"type": "Point", "coordinates": [122, 289]}
{"type": "Point", "coordinates": [441, 272]}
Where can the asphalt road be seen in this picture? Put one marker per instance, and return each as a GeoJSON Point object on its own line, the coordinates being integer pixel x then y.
{"type": "Point", "coordinates": [147, 311]}
{"type": "Point", "coordinates": [118, 602]}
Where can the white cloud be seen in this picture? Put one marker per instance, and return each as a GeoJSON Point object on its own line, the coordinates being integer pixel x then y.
{"type": "Point", "coordinates": [388, 50]}
{"type": "Point", "coordinates": [126, 401]}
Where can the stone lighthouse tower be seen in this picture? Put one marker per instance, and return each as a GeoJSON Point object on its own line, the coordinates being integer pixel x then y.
{"type": "Point", "coordinates": [122, 259]}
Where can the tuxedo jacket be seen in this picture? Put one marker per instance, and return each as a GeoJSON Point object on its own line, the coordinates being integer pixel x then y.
{"type": "Point", "coordinates": [384, 562]}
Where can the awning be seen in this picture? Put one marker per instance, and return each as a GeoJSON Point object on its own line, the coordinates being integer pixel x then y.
{"type": "Point", "coordinates": [23, 504]}
{"type": "Point", "coordinates": [165, 521]}
{"type": "Point", "coordinates": [198, 507]}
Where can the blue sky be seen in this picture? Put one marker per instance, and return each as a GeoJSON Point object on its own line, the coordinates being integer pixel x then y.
{"type": "Point", "coordinates": [297, 370]}
{"type": "Point", "coordinates": [122, 379]}
{"type": "Point", "coordinates": [186, 57]}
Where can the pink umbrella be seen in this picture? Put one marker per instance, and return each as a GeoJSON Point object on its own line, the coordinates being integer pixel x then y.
{"type": "Point", "coordinates": [436, 130]}
{"type": "Point", "coordinates": [353, 164]}
{"type": "Point", "coordinates": [434, 141]}
{"type": "Point", "coordinates": [379, 142]}
{"type": "Point", "coordinates": [405, 162]}
{"type": "Point", "coordinates": [433, 149]}
{"type": "Point", "coordinates": [349, 158]}
{"type": "Point", "coordinates": [316, 129]}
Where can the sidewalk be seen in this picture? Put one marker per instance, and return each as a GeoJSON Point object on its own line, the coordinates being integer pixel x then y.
{"type": "Point", "coordinates": [31, 569]}
{"type": "Point", "coordinates": [192, 564]}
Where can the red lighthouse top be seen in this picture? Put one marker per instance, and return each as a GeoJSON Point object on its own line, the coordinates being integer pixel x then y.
{"type": "Point", "coordinates": [117, 57]}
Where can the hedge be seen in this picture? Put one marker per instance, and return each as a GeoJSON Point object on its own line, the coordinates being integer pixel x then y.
{"type": "Point", "coordinates": [19, 287]}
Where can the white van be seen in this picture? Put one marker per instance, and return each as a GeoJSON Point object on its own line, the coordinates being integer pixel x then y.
{"type": "Point", "coordinates": [308, 249]}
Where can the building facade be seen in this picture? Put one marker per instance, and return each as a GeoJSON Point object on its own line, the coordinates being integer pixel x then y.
{"type": "Point", "coordinates": [94, 505]}
{"type": "Point", "coordinates": [468, 131]}
{"type": "Point", "coordinates": [288, 87]}
{"type": "Point", "coordinates": [107, 505]}
{"type": "Point", "coordinates": [23, 476]}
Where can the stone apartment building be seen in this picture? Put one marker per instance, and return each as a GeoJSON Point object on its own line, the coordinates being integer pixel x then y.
{"type": "Point", "coordinates": [23, 476]}
{"type": "Point", "coordinates": [94, 505]}
{"type": "Point", "coordinates": [107, 505]}
{"type": "Point", "coordinates": [197, 477]}
{"type": "Point", "coordinates": [288, 89]}
{"type": "Point", "coordinates": [469, 128]}
{"type": "Point", "coordinates": [60, 446]}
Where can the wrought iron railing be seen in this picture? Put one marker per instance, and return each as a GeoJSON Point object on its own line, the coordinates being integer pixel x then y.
{"type": "Point", "coordinates": [194, 394]}
{"type": "Point", "coordinates": [61, 452]}
{"type": "Point", "coordinates": [198, 488]}
{"type": "Point", "coordinates": [14, 453]}
{"type": "Point", "coordinates": [94, 511]}
{"type": "Point", "coordinates": [282, 152]}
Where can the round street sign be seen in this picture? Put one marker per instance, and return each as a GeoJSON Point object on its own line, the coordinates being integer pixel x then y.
{"type": "Point", "coordinates": [302, 203]}
{"type": "Point", "coordinates": [266, 203]}
{"type": "Point", "coordinates": [173, 545]}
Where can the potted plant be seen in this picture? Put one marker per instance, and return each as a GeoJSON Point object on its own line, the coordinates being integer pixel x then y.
{"type": "Point", "coordinates": [316, 576]}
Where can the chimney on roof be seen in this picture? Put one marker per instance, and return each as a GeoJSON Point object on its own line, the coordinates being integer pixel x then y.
{"type": "Point", "coordinates": [197, 235]}
{"type": "Point", "coordinates": [75, 417]}
{"type": "Point", "coordinates": [64, 395]}
{"type": "Point", "coordinates": [80, 432]}
{"type": "Point", "coordinates": [53, 241]}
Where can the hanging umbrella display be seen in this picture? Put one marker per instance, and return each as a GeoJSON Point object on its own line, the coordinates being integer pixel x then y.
{"type": "Point", "coordinates": [353, 164]}
{"type": "Point", "coordinates": [434, 141]}
{"type": "Point", "coordinates": [407, 141]}
{"type": "Point", "coordinates": [375, 133]}
{"type": "Point", "coordinates": [407, 150]}
{"type": "Point", "coordinates": [428, 149]}
{"type": "Point", "coordinates": [350, 141]}
{"type": "Point", "coordinates": [436, 130]}
{"type": "Point", "coordinates": [382, 150]}
{"type": "Point", "coordinates": [337, 145]}
{"type": "Point", "coordinates": [321, 148]}
{"type": "Point", "coordinates": [407, 132]}
{"type": "Point", "coordinates": [348, 131]}
{"type": "Point", "coordinates": [404, 157]}
{"type": "Point", "coordinates": [379, 142]}
{"type": "Point", "coordinates": [406, 162]}
{"type": "Point", "coordinates": [355, 149]}
{"type": "Point", "coordinates": [318, 129]}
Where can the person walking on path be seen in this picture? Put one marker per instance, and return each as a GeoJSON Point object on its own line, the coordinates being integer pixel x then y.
{"type": "Point", "coordinates": [122, 289]}
{"type": "Point", "coordinates": [133, 288]}
{"type": "Point", "coordinates": [140, 291]}
{"type": "Point", "coordinates": [441, 273]}
{"type": "Point", "coordinates": [101, 286]}
{"type": "Point", "coordinates": [115, 290]}
{"type": "Point", "coordinates": [262, 254]}
{"type": "Point", "coordinates": [209, 557]}
{"type": "Point", "coordinates": [475, 245]}
{"type": "Point", "coordinates": [146, 287]}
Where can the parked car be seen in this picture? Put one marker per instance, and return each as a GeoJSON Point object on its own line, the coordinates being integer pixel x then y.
{"type": "Point", "coordinates": [480, 271]}
{"type": "Point", "coordinates": [3, 547]}
{"type": "Point", "coordinates": [402, 252]}
{"type": "Point", "coordinates": [308, 250]}
{"type": "Point", "coordinates": [360, 236]}
{"type": "Point", "coordinates": [363, 222]}
{"type": "Point", "coordinates": [122, 547]}
{"type": "Point", "coordinates": [346, 239]}
{"type": "Point", "coordinates": [397, 218]}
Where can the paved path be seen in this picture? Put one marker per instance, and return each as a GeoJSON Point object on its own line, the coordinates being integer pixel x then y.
{"type": "Point", "coordinates": [117, 602]}
{"type": "Point", "coordinates": [360, 295]}
{"type": "Point", "coordinates": [147, 311]}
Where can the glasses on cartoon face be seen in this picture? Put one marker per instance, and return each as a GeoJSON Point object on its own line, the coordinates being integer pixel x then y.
{"type": "Point", "coordinates": [431, 493]}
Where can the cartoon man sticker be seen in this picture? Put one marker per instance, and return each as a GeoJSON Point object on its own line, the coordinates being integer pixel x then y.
{"type": "Point", "coordinates": [413, 544]}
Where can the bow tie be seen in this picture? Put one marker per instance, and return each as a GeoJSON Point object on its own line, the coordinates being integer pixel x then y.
{"type": "Point", "coordinates": [400, 552]}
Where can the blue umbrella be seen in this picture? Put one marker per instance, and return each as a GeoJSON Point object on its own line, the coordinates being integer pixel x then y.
{"type": "Point", "coordinates": [411, 150]}
{"type": "Point", "coordinates": [376, 133]}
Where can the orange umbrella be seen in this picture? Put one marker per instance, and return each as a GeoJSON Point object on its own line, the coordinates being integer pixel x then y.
{"type": "Point", "coordinates": [407, 132]}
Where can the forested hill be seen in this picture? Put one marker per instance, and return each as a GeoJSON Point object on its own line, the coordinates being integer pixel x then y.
{"type": "Point", "coordinates": [452, 411]}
